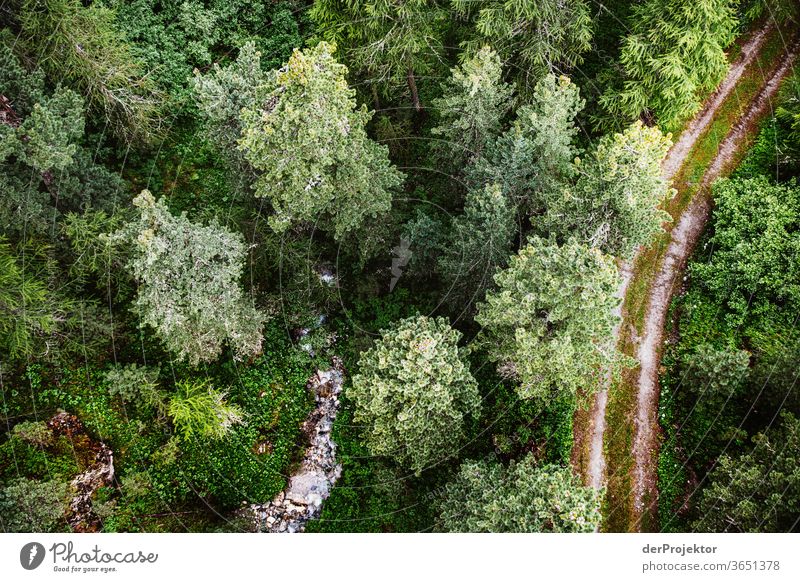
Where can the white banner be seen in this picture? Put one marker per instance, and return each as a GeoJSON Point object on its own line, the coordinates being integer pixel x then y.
{"type": "Point", "coordinates": [352, 557]}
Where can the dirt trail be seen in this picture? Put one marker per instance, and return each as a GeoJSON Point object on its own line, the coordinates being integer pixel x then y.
{"type": "Point", "coordinates": [683, 238]}
{"type": "Point", "coordinates": [595, 465]}
{"type": "Point", "coordinates": [688, 138]}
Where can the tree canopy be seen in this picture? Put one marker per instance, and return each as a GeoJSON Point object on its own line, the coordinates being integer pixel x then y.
{"type": "Point", "coordinates": [524, 497]}
{"type": "Point", "coordinates": [550, 322]}
{"type": "Point", "coordinates": [415, 393]}
{"type": "Point", "coordinates": [189, 290]}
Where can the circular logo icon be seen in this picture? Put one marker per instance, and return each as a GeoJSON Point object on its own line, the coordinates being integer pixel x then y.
{"type": "Point", "coordinates": [31, 555]}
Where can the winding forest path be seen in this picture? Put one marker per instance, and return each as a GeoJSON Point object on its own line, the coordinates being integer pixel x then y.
{"type": "Point", "coordinates": [644, 338]}
{"type": "Point", "coordinates": [684, 237]}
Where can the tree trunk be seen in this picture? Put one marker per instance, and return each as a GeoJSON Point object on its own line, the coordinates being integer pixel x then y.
{"type": "Point", "coordinates": [412, 84]}
{"type": "Point", "coordinates": [375, 98]}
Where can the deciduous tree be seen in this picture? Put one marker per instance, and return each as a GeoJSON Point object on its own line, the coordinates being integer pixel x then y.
{"type": "Point", "coordinates": [550, 322]}
{"type": "Point", "coordinates": [524, 497]}
{"type": "Point", "coordinates": [414, 393]}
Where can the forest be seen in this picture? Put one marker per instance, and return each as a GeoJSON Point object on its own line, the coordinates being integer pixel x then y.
{"type": "Point", "coordinates": [399, 266]}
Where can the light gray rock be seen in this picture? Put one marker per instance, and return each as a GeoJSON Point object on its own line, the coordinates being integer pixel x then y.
{"type": "Point", "coordinates": [308, 488]}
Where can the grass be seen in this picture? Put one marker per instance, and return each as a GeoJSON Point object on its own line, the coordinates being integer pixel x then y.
{"type": "Point", "coordinates": [618, 509]}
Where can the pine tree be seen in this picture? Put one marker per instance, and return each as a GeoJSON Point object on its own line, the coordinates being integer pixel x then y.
{"type": "Point", "coordinates": [81, 47]}
{"type": "Point", "coordinates": [414, 392]}
{"type": "Point", "coordinates": [188, 277]}
{"type": "Point", "coordinates": [550, 322]}
{"type": "Point", "coordinates": [535, 157]}
{"type": "Point", "coordinates": [523, 498]}
{"type": "Point", "coordinates": [474, 103]}
{"type": "Point", "coordinates": [614, 205]}
{"type": "Point", "coordinates": [389, 42]}
{"type": "Point", "coordinates": [533, 37]}
{"type": "Point", "coordinates": [307, 138]}
{"type": "Point", "coordinates": [674, 53]}
{"type": "Point", "coordinates": [759, 490]}
{"type": "Point", "coordinates": [479, 243]}
{"type": "Point", "coordinates": [25, 307]}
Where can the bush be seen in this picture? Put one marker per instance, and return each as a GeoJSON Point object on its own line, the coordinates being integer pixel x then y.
{"type": "Point", "coordinates": [414, 392]}
{"type": "Point", "coordinates": [524, 497]}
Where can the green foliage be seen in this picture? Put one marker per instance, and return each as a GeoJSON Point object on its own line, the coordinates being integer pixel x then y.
{"type": "Point", "coordinates": [26, 311]}
{"type": "Point", "coordinates": [138, 385]}
{"type": "Point", "coordinates": [533, 36]}
{"type": "Point", "coordinates": [44, 170]}
{"type": "Point", "coordinates": [479, 244]}
{"type": "Point", "coordinates": [223, 92]}
{"type": "Point", "coordinates": [33, 506]}
{"type": "Point", "coordinates": [550, 322]}
{"type": "Point", "coordinates": [252, 462]}
{"type": "Point", "coordinates": [718, 372]}
{"type": "Point", "coordinates": [81, 46]}
{"type": "Point", "coordinates": [474, 102]}
{"type": "Point", "coordinates": [174, 36]}
{"type": "Point", "coordinates": [756, 244]}
{"type": "Point", "coordinates": [673, 54]}
{"type": "Point", "coordinates": [782, 11]}
{"type": "Point", "coordinates": [535, 157]}
{"type": "Point", "coordinates": [35, 433]}
{"type": "Point", "coordinates": [307, 138]}
{"type": "Point", "coordinates": [47, 135]}
{"type": "Point", "coordinates": [199, 410]}
{"type": "Point", "coordinates": [523, 498]}
{"type": "Point", "coordinates": [189, 284]}
{"type": "Point", "coordinates": [388, 41]}
{"type": "Point", "coordinates": [614, 205]}
{"type": "Point", "coordinates": [414, 392]}
{"type": "Point", "coordinates": [95, 258]}
{"type": "Point", "coordinates": [371, 496]}
{"type": "Point", "coordinates": [758, 491]}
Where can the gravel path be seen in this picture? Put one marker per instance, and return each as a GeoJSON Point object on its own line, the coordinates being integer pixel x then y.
{"type": "Point", "coordinates": [676, 157]}
{"type": "Point", "coordinates": [684, 236]}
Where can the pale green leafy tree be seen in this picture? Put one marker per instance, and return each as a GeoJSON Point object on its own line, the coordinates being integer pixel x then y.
{"type": "Point", "coordinates": [550, 322]}
{"type": "Point", "coordinates": [199, 410]}
{"type": "Point", "coordinates": [189, 290]}
{"type": "Point", "coordinates": [533, 37]}
{"type": "Point", "coordinates": [307, 138]}
{"type": "Point", "coordinates": [614, 205]}
{"type": "Point", "coordinates": [223, 92]}
{"type": "Point", "coordinates": [535, 157]}
{"type": "Point", "coordinates": [414, 393]}
{"type": "Point", "coordinates": [479, 244]}
{"type": "Point", "coordinates": [474, 103]}
{"type": "Point", "coordinates": [674, 53]}
{"type": "Point", "coordinates": [717, 372]}
{"type": "Point", "coordinates": [47, 136]}
{"type": "Point", "coordinates": [28, 506]}
{"type": "Point", "coordinates": [485, 496]}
